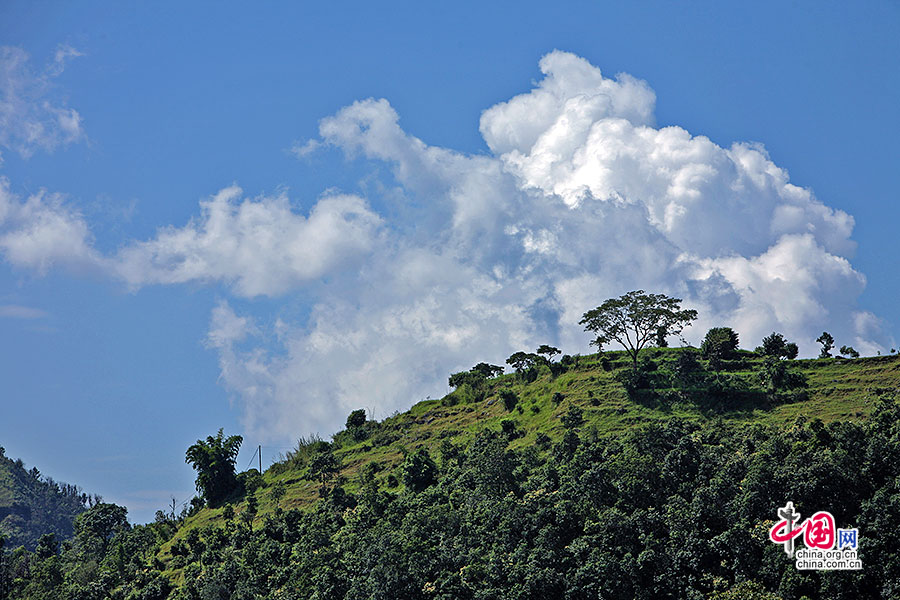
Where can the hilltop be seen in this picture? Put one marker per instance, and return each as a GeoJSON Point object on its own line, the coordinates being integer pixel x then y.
{"type": "Point", "coordinates": [836, 389]}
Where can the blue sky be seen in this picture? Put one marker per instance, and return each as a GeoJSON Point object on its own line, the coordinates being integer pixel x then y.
{"type": "Point", "coordinates": [261, 218]}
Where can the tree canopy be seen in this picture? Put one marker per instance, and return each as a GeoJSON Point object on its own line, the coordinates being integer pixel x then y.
{"type": "Point", "coordinates": [214, 462]}
{"type": "Point", "coordinates": [636, 319]}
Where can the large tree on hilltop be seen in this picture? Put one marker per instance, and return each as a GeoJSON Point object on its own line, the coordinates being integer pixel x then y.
{"type": "Point", "coordinates": [636, 319]}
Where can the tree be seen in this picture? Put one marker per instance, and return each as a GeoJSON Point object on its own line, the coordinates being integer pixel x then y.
{"type": "Point", "coordinates": [827, 342]}
{"type": "Point", "coordinates": [525, 364]}
{"type": "Point", "coordinates": [357, 418]}
{"type": "Point", "coordinates": [487, 370]}
{"type": "Point", "coordinates": [776, 346]}
{"type": "Point", "coordinates": [510, 399]}
{"type": "Point", "coordinates": [324, 466]}
{"type": "Point", "coordinates": [720, 343]}
{"type": "Point", "coordinates": [775, 375]}
{"type": "Point", "coordinates": [214, 462]}
{"type": "Point", "coordinates": [418, 470]}
{"type": "Point", "coordinates": [849, 351]}
{"type": "Point", "coordinates": [548, 352]}
{"type": "Point", "coordinates": [95, 528]}
{"type": "Point", "coordinates": [636, 319]}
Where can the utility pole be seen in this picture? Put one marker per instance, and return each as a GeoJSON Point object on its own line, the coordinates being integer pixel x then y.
{"type": "Point", "coordinates": [259, 451]}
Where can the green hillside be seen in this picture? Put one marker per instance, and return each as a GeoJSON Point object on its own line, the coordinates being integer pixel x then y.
{"type": "Point", "coordinates": [585, 477]}
{"type": "Point", "coordinates": [32, 505]}
{"type": "Point", "coordinates": [836, 389]}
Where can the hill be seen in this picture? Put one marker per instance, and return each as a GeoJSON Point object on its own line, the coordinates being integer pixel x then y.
{"type": "Point", "coordinates": [32, 505]}
{"type": "Point", "coordinates": [836, 389]}
{"type": "Point", "coordinates": [578, 478]}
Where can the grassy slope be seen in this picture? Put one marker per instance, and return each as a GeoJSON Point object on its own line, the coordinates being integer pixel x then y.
{"type": "Point", "coordinates": [838, 390]}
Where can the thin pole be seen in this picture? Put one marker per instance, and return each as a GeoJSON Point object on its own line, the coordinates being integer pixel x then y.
{"type": "Point", "coordinates": [259, 449]}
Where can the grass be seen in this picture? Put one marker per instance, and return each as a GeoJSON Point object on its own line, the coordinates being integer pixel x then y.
{"type": "Point", "coordinates": [837, 389]}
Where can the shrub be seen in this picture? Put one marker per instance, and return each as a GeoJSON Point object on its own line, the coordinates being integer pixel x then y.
{"type": "Point", "coordinates": [418, 470]}
{"type": "Point", "coordinates": [572, 419]}
{"type": "Point", "coordinates": [509, 398]}
{"type": "Point", "coordinates": [510, 429]}
{"type": "Point", "coordinates": [357, 418]}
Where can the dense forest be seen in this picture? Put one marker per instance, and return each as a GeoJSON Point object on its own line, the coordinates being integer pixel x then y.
{"type": "Point", "coordinates": [651, 473]}
{"type": "Point", "coordinates": [679, 510]}
{"type": "Point", "coordinates": [32, 504]}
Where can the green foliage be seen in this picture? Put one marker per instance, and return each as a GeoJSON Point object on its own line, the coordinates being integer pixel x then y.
{"type": "Point", "coordinates": [775, 346]}
{"type": "Point", "coordinates": [418, 470]}
{"type": "Point", "coordinates": [849, 351]}
{"type": "Point", "coordinates": [624, 500]}
{"type": "Point", "coordinates": [510, 399]}
{"type": "Point", "coordinates": [573, 418]}
{"type": "Point", "coordinates": [525, 365]}
{"type": "Point", "coordinates": [548, 352]}
{"type": "Point", "coordinates": [687, 370]}
{"type": "Point", "coordinates": [635, 319]}
{"type": "Point", "coordinates": [95, 528]}
{"type": "Point", "coordinates": [357, 418]}
{"type": "Point", "coordinates": [32, 504]}
{"type": "Point", "coordinates": [668, 510]}
{"type": "Point", "coordinates": [356, 425]}
{"type": "Point", "coordinates": [488, 371]}
{"type": "Point", "coordinates": [775, 375]}
{"type": "Point", "coordinates": [720, 343]}
{"type": "Point", "coordinates": [324, 466]}
{"type": "Point", "coordinates": [214, 462]}
{"type": "Point", "coordinates": [827, 341]}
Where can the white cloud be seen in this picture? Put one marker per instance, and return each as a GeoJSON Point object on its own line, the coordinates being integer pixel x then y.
{"type": "Point", "coordinates": [30, 118]}
{"type": "Point", "coordinates": [581, 200]}
{"type": "Point", "coordinates": [303, 150]}
{"type": "Point", "coordinates": [14, 311]}
{"type": "Point", "coordinates": [43, 232]}
{"type": "Point", "coordinates": [260, 246]}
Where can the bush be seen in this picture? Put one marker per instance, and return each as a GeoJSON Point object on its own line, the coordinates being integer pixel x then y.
{"type": "Point", "coordinates": [418, 470]}
{"type": "Point", "coordinates": [357, 418]}
{"type": "Point", "coordinates": [686, 367]}
{"type": "Point", "coordinates": [572, 419]}
{"type": "Point", "coordinates": [510, 429]}
{"type": "Point", "coordinates": [510, 399]}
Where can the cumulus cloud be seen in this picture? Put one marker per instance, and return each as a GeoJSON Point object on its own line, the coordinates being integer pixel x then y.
{"type": "Point", "coordinates": [582, 198]}
{"type": "Point", "coordinates": [260, 246]}
{"type": "Point", "coordinates": [31, 118]}
{"type": "Point", "coordinates": [43, 232]}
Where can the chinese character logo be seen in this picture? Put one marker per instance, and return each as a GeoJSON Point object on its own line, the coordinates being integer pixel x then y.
{"type": "Point", "coordinates": [818, 530]}
{"type": "Point", "coordinates": [827, 548]}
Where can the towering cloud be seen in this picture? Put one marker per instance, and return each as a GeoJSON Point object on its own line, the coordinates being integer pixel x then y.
{"type": "Point", "coordinates": [581, 198]}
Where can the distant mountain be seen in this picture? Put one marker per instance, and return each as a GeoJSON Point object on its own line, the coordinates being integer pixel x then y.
{"type": "Point", "coordinates": [32, 505]}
